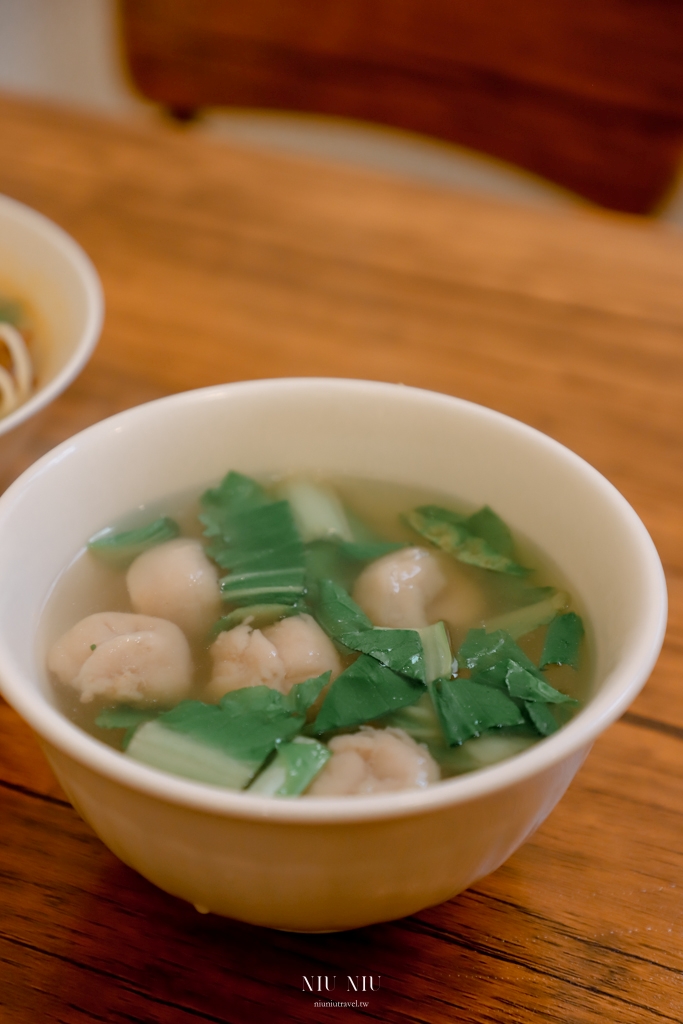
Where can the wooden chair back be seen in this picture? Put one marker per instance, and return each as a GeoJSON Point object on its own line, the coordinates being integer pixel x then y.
{"type": "Point", "coordinates": [586, 93]}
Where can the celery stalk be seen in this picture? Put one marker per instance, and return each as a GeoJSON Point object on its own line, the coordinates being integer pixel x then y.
{"type": "Point", "coordinates": [259, 615]}
{"type": "Point", "coordinates": [181, 754]}
{"type": "Point", "coordinates": [293, 768]}
{"type": "Point", "coordinates": [438, 659]}
{"type": "Point", "coordinates": [523, 620]}
{"type": "Point", "coordinates": [318, 512]}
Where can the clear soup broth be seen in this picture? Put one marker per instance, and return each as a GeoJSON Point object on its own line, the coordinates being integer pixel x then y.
{"type": "Point", "coordinates": [471, 598]}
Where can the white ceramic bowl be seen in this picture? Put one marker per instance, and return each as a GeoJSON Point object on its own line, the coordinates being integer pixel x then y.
{"type": "Point", "coordinates": [50, 271]}
{"type": "Point", "coordinates": [323, 864]}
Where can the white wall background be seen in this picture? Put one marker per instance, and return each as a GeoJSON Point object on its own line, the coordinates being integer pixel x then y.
{"type": "Point", "coordinates": [66, 51]}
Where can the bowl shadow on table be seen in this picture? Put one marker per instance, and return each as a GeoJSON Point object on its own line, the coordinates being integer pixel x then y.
{"type": "Point", "coordinates": [127, 942]}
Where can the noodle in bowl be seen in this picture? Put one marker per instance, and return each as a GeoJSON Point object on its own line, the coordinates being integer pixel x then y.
{"type": "Point", "coordinates": [46, 275]}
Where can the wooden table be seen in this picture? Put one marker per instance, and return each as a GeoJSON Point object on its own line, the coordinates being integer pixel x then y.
{"type": "Point", "coordinates": [222, 264]}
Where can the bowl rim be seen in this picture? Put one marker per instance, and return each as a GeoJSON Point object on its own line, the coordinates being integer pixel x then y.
{"type": "Point", "coordinates": [40, 225]}
{"type": "Point", "coordinates": [573, 740]}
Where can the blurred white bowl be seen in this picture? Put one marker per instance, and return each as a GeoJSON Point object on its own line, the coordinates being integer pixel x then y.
{"type": "Point", "coordinates": [42, 265]}
{"type": "Point", "coordinates": [319, 864]}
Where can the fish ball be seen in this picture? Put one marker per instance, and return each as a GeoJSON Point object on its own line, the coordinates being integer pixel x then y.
{"type": "Point", "coordinates": [374, 761]}
{"type": "Point", "coordinates": [395, 590]}
{"type": "Point", "coordinates": [176, 581]}
{"type": "Point", "coordinates": [125, 658]}
{"type": "Point", "coordinates": [304, 648]}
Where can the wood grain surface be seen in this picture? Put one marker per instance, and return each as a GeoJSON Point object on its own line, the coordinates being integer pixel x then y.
{"type": "Point", "coordinates": [223, 264]}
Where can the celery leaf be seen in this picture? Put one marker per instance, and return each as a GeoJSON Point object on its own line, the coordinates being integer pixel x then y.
{"type": "Point", "coordinates": [122, 548]}
{"type": "Point", "coordinates": [490, 653]}
{"type": "Point", "coordinates": [481, 539]}
{"type": "Point", "coordinates": [562, 641]}
{"type": "Point", "coordinates": [338, 613]}
{"type": "Point", "coordinates": [398, 649]}
{"type": "Point", "coordinates": [542, 717]}
{"type": "Point", "coordinates": [246, 723]}
{"type": "Point", "coordinates": [528, 687]}
{"type": "Point", "coordinates": [303, 695]}
{"type": "Point", "coordinates": [364, 691]}
{"type": "Point", "coordinates": [235, 494]}
{"type": "Point", "coordinates": [467, 709]}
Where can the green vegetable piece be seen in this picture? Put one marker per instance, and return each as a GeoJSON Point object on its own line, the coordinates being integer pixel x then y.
{"type": "Point", "coordinates": [494, 675]}
{"type": "Point", "coordinates": [402, 650]}
{"type": "Point", "coordinates": [542, 717]}
{"type": "Point", "coordinates": [452, 533]}
{"type": "Point", "coordinates": [399, 649]}
{"type": "Point", "coordinates": [475, 551]}
{"type": "Point", "coordinates": [236, 494]}
{"type": "Point", "coordinates": [283, 586]}
{"type": "Point", "coordinates": [521, 621]}
{"type": "Point", "coordinates": [482, 651]}
{"type": "Point", "coordinates": [364, 691]}
{"type": "Point", "coordinates": [467, 709]}
{"type": "Point", "coordinates": [124, 717]}
{"type": "Point", "coordinates": [293, 768]}
{"type": "Point", "coordinates": [318, 512]}
{"type": "Point", "coordinates": [262, 538]}
{"type": "Point", "coordinates": [443, 528]}
{"type": "Point", "coordinates": [528, 687]}
{"type": "Point", "coordinates": [515, 592]}
{"type": "Point", "coordinates": [188, 755]}
{"type": "Point", "coordinates": [438, 657]}
{"type": "Point", "coordinates": [223, 744]}
{"type": "Point", "coordinates": [421, 721]}
{"type": "Point", "coordinates": [491, 528]}
{"type": "Point", "coordinates": [260, 615]}
{"type": "Point", "coordinates": [265, 556]}
{"type": "Point", "coordinates": [256, 539]}
{"type": "Point", "coordinates": [421, 654]}
{"type": "Point", "coordinates": [337, 613]}
{"type": "Point", "coordinates": [562, 641]}
{"type": "Point", "coordinates": [303, 695]}
{"type": "Point", "coordinates": [246, 723]}
{"type": "Point", "coordinates": [122, 548]}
